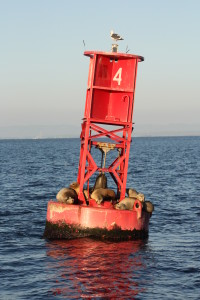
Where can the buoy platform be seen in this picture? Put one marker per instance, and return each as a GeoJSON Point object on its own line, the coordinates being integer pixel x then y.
{"type": "Point", "coordinates": [66, 221]}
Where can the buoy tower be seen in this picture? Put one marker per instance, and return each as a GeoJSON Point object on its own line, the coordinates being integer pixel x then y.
{"type": "Point", "coordinates": [109, 103]}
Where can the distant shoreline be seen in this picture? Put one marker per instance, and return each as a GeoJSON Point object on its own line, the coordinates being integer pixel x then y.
{"type": "Point", "coordinates": [73, 138]}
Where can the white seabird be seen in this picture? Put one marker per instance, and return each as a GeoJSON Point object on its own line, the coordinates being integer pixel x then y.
{"type": "Point", "coordinates": [115, 36]}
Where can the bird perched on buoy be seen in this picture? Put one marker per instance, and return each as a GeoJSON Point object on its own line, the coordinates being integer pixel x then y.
{"type": "Point", "coordinates": [116, 37]}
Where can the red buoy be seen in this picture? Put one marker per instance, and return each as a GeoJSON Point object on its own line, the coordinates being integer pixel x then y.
{"type": "Point", "coordinates": [107, 126]}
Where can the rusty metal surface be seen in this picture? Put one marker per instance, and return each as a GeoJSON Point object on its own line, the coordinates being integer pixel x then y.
{"type": "Point", "coordinates": [69, 232]}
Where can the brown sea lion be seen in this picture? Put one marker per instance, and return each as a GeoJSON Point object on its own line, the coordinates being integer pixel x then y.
{"type": "Point", "coordinates": [100, 182]}
{"type": "Point", "coordinates": [67, 195]}
{"type": "Point", "coordinates": [140, 197]}
{"type": "Point", "coordinates": [148, 206]}
{"type": "Point", "coordinates": [76, 186]}
{"type": "Point", "coordinates": [132, 193]}
{"type": "Point", "coordinates": [103, 194]}
{"type": "Point", "coordinates": [126, 203]}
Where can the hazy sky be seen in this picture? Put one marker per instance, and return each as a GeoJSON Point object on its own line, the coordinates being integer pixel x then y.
{"type": "Point", "coordinates": [43, 72]}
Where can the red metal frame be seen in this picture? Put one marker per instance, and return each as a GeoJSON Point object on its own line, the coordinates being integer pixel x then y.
{"type": "Point", "coordinates": [109, 101]}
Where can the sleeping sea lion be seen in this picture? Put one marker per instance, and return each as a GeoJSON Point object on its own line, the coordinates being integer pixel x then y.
{"type": "Point", "coordinates": [67, 195]}
{"type": "Point", "coordinates": [126, 204]}
{"type": "Point", "coordinates": [103, 194]}
{"type": "Point", "coordinates": [132, 193]}
{"type": "Point", "coordinates": [148, 206]}
{"type": "Point", "coordinates": [100, 182]}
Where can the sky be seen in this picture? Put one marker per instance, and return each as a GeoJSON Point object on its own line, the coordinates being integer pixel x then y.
{"type": "Point", "coordinates": [43, 72]}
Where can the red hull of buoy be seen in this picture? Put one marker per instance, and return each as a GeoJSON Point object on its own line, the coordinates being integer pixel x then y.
{"type": "Point", "coordinates": [68, 221]}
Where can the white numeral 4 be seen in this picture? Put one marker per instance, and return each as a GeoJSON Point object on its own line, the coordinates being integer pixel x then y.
{"type": "Point", "coordinates": [118, 76]}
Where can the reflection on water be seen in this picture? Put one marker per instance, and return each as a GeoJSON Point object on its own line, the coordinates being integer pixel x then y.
{"type": "Point", "coordinates": [88, 268]}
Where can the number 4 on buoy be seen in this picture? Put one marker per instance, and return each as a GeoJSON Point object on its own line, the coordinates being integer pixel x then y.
{"type": "Point", "coordinates": [118, 76]}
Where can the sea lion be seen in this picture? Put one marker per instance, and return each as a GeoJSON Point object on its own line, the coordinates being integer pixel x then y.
{"type": "Point", "coordinates": [148, 206]}
{"type": "Point", "coordinates": [103, 194]}
{"type": "Point", "coordinates": [76, 186]}
{"type": "Point", "coordinates": [126, 203]}
{"type": "Point", "coordinates": [132, 193]}
{"type": "Point", "coordinates": [67, 195]}
{"type": "Point", "coordinates": [100, 182]}
{"type": "Point", "coordinates": [140, 197]}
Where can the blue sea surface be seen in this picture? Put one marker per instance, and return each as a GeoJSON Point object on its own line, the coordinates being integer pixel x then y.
{"type": "Point", "coordinates": [165, 266]}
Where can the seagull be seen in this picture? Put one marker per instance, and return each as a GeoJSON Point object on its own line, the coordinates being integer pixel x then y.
{"type": "Point", "coordinates": [115, 36]}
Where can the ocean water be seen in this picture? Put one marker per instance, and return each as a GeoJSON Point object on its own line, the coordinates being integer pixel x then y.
{"type": "Point", "coordinates": [165, 266]}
